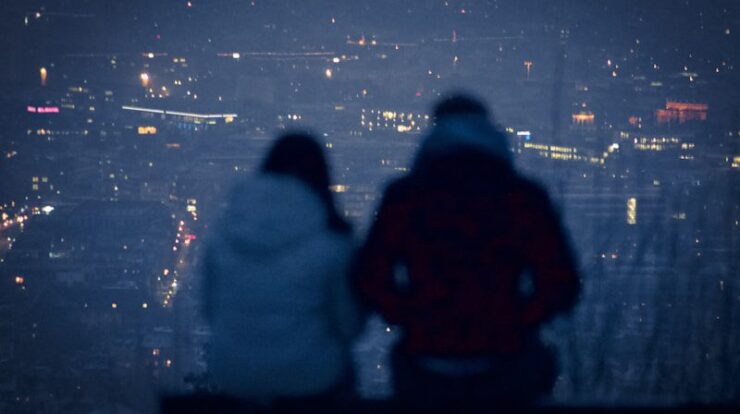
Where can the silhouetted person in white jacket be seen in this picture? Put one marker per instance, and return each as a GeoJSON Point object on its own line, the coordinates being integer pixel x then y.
{"type": "Point", "coordinates": [276, 287]}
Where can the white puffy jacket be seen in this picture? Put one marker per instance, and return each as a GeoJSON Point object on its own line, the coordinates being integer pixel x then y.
{"type": "Point", "coordinates": [276, 293]}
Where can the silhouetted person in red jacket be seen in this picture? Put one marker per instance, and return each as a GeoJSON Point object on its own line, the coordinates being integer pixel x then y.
{"type": "Point", "coordinates": [446, 261]}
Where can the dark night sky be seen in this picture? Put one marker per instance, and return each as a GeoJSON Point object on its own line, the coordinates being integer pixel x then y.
{"type": "Point", "coordinates": [86, 25]}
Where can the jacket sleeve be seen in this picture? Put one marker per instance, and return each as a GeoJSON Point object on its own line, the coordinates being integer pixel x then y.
{"type": "Point", "coordinates": [554, 275]}
{"type": "Point", "coordinates": [375, 262]}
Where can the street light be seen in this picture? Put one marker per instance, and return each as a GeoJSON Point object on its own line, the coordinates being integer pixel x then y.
{"type": "Point", "coordinates": [144, 79]}
{"type": "Point", "coordinates": [528, 65]}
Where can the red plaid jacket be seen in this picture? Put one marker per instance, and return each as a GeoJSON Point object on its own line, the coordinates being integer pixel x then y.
{"type": "Point", "coordinates": [446, 254]}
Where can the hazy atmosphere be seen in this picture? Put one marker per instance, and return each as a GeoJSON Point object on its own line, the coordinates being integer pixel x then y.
{"type": "Point", "coordinates": [126, 124]}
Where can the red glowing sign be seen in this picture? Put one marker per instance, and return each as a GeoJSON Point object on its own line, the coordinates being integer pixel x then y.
{"type": "Point", "coordinates": [681, 112]}
{"type": "Point", "coordinates": [43, 109]}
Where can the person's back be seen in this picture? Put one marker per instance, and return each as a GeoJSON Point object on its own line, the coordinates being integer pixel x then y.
{"type": "Point", "coordinates": [446, 257]}
{"type": "Point", "coordinates": [277, 297]}
{"type": "Point", "coordinates": [465, 232]}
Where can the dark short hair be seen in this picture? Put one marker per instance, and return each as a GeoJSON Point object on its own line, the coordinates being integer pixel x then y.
{"type": "Point", "coordinates": [459, 104]}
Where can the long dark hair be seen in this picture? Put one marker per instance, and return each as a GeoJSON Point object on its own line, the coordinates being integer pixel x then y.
{"type": "Point", "coordinates": [299, 155]}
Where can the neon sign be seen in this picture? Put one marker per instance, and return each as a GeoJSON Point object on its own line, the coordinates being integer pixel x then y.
{"type": "Point", "coordinates": [43, 109]}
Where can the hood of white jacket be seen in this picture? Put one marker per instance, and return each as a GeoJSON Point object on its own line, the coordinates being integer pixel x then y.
{"type": "Point", "coordinates": [269, 213]}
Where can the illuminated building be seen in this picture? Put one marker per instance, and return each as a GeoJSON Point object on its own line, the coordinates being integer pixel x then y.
{"type": "Point", "coordinates": [93, 265]}
{"type": "Point", "coordinates": [525, 135]}
{"type": "Point", "coordinates": [681, 112]}
{"type": "Point", "coordinates": [41, 183]}
{"type": "Point", "coordinates": [610, 206]}
{"type": "Point", "coordinates": [583, 118]}
{"type": "Point", "coordinates": [184, 120]}
{"type": "Point", "coordinates": [632, 210]}
{"type": "Point", "coordinates": [289, 117]}
{"type": "Point", "coordinates": [403, 122]}
{"type": "Point", "coordinates": [555, 152]}
{"type": "Point", "coordinates": [672, 145]}
{"type": "Point", "coordinates": [582, 122]}
{"type": "Point", "coordinates": [356, 201]}
{"type": "Point", "coordinates": [147, 130]}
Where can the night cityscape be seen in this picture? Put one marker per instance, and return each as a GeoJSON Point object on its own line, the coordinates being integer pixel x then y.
{"type": "Point", "coordinates": [126, 124]}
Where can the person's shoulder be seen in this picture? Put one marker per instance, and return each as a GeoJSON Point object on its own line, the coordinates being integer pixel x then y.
{"type": "Point", "coordinates": [398, 189]}
{"type": "Point", "coordinates": [531, 190]}
{"type": "Point", "coordinates": [532, 186]}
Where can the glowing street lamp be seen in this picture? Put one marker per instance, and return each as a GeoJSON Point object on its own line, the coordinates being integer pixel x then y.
{"type": "Point", "coordinates": [328, 73]}
{"type": "Point", "coordinates": [144, 79]}
{"type": "Point", "coordinates": [528, 65]}
{"type": "Point", "coordinates": [44, 74]}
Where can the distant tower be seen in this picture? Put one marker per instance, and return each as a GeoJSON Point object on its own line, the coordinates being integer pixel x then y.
{"type": "Point", "coordinates": [557, 92]}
